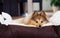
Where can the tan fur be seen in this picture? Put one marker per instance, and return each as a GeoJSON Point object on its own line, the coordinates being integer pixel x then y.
{"type": "Point", "coordinates": [36, 18]}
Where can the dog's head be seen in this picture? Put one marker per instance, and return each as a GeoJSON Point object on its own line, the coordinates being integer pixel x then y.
{"type": "Point", "coordinates": [39, 17]}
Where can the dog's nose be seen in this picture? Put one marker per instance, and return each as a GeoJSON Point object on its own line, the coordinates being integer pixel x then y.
{"type": "Point", "coordinates": [39, 25]}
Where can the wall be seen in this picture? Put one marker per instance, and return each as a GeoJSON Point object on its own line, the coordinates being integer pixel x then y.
{"type": "Point", "coordinates": [46, 5]}
{"type": "Point", "coordinates": [11, 7]}
{"type": "Point", "coordinates": [35, 6]}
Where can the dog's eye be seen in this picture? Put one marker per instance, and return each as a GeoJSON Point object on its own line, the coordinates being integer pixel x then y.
{"type": "Point", "coordinates": [41, 21]}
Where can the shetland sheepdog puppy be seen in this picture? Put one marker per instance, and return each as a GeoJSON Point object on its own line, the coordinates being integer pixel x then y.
{"type": "Point", "coordinates": [37, 18]}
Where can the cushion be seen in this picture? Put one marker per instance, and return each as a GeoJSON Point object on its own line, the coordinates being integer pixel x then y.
{"type": "Point", "coordinates": [15, 31]}
{"type": "Point", "coordinates": [57, 29]}
{"type": "Point", "coordinates": [55, 19]}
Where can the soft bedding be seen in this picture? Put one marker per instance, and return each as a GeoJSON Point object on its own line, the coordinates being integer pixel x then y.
{"type": "Point", "coordinates": [14, 30]}
{"type": "Point", "coordinates": [54, 20]}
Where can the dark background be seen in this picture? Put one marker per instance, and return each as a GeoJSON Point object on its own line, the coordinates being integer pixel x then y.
{"type": "Point", "coordinates": [26, 0]}
{"type": "Point", "coordinates": [11, 6]}
{"type": "Point", "coordinates": [1, 6]}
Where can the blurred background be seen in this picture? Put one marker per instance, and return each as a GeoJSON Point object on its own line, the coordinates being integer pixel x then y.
{"type": "Point", "coordinates": [19, 7]}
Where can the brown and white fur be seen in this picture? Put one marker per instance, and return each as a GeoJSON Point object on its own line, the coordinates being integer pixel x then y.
{"type": "Point", "coordinates": [36, 18]}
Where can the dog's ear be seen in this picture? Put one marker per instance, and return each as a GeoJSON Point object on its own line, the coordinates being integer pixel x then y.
{"type": "Point", "coordinates": [35, 13]}
{"type": "Point", "coordinates": [42, 13]}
